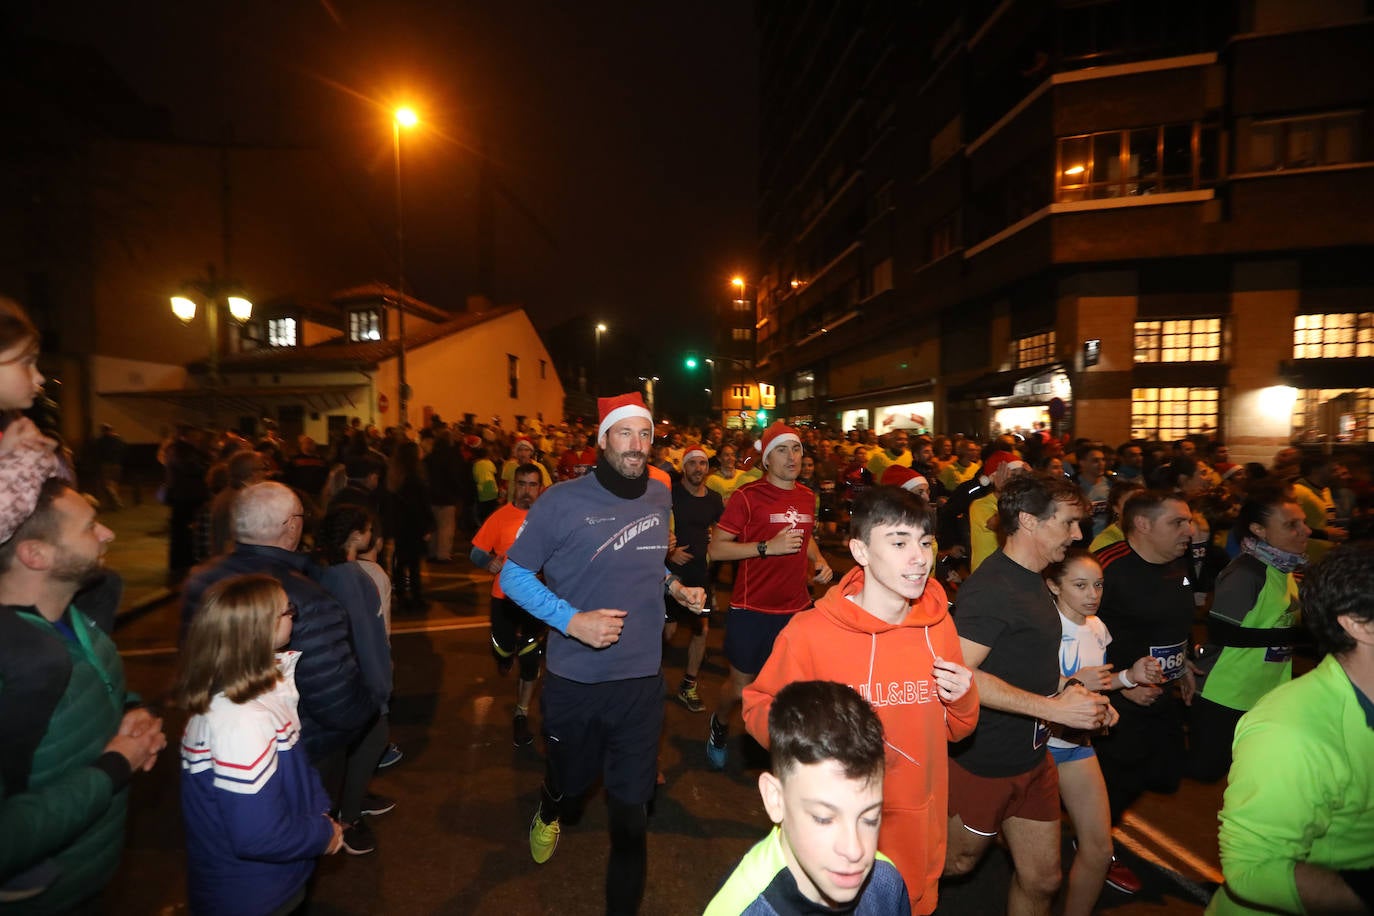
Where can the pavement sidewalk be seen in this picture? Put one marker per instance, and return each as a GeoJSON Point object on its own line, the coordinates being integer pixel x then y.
{"type": "Point", "coordinates": [139, 553]}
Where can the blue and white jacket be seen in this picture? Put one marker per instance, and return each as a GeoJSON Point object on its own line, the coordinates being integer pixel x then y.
{"type": "Point", "coordinates": [255, 811]}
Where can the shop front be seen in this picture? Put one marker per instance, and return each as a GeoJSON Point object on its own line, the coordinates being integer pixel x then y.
{"type": "Point", "coordinates": [1018, 402]}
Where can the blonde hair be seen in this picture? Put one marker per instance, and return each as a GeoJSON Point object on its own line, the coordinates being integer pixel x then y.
{"type": "Point", "coordinates": [231, 645]}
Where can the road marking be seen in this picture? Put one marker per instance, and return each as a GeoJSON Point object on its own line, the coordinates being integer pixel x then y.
{"type": "Point", "coordinates": [1166, 846]}
{"type": "Point", "coordinates": [428, 628]}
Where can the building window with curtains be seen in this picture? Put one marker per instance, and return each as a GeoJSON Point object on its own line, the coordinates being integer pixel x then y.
{"type": "Point", "coordinates": [1338, 336]}
{"type": "Point", "coordinates": [1035, 350]}
{"type": "Point", "coordinates": [1133, 163]}
{"type": "Point", "coordinates": [281, 332]}
{"type": "Point", "coordinates": [1184, 340]}
{"type": "Point", "coordinates": [364, 325]}
{"type": "Point", "coordinates": [1167, 414]}
{"type": "Point", "coordinates": [1305, 142]}
{"type": "Point", "coordinates": [513, 374]}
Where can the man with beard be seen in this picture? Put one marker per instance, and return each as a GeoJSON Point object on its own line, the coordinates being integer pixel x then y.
{"type": "Point", "coordinates": [696, 510]}
{"type": "Point", "coordinates": [601, 542]}
{"type": "Point", "coordinates": [1148, 606]}
{"type": "Point", "coordinates": [70, 748]}
{"type": "Point", "coordinates": [1002, 779]}
{"type": "Point", "coordinates": [767, 525]}
{"type": "Point", "coordinates": [515, 635]}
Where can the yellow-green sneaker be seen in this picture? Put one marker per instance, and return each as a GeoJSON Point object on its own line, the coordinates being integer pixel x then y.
{"type": "Point", "coordinates": [543, 838]}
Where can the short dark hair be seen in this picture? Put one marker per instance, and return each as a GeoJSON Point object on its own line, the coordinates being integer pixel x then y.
{"type": "Point", "coordinates": [1035, 494]}
{"type": "Point", "coordinates": [1166, 476]}
{"type": "Point", "coordinates": [1313, 462]}
{"type": "Point", "coordinates": [888, 506]}
{"type": "Point", "coordinates": [1120, 488]}
{"type": "Point", "coordinates": [529, 467]}
{"type": "Point", "coordinates": [41, 525]}
{"type": "Point", "coordinates": [337, 527]}
{"type": "Point", "coordinates": [815, 721]}
{"type": "Point", "coordinates": [1340, 585]}
{"type": "Point", "coordinates": [1146, 504]}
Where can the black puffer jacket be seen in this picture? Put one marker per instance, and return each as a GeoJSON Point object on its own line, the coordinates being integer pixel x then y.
{"type": "Point", "coordinates": [335, 703]}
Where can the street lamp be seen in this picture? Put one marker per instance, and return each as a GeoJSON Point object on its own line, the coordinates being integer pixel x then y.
{"type": "Point", "coordinates": [596, 366]}
{"type": "Point", "coordinates": [217, 293]}
{"type": "Point", "coordinates": [403, 117]}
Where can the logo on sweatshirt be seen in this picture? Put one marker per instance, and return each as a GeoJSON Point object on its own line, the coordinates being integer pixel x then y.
{"type": "Point", "coordinates": [631, 531]}
{"type": "Point", "coordinates": [897, 693]}
{"type": "Point", "coordinates": [791, 517]}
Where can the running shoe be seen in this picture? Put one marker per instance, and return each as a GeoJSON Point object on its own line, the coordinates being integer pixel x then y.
{"type": "Point", "coordinates": [521, 728]}
{"type": "Point", "coordinates": [390, 757]}
{"type": "Point", "coordinates": [716, 751]}
{"type": "Point", "coordinates": [687, 696]}
{"type": "Point", "coordinates": [377, 804]}
{"type": "Point", "coordinates": [543, 839]}
{"type": "Point", "coordinates": [358, 838]}
{"type": "Point", "coordinates": [1121, 877]}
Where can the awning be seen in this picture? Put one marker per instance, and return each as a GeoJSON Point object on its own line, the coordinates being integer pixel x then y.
{"type": "Point", "coordinates": [1328, 373]}
{"type": "Point", "coordinates": [250, 398]}
{"type": "Point", "coordinates": [1032, 384]}
{"type": "Point", "coordinates": [883, 396]}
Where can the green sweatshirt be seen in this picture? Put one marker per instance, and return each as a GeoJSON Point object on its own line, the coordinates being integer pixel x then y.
{"type": "Point", "coordinates": [1301, 790]}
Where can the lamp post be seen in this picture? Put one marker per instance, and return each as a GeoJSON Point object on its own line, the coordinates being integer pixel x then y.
{"type": "Point", "coordinates": [216, 293]}
{"type": "Point", "coordinates": [404, 117]}
{"type": "Point", "coordinates": [596, 365]}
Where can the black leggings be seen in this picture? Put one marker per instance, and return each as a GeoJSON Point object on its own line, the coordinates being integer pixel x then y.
{"type": "Point", "coordinates": [1211, 729]}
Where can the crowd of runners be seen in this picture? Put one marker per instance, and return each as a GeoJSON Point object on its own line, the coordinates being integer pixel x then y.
{"type": "Point", "coordinates": [1030, 627]}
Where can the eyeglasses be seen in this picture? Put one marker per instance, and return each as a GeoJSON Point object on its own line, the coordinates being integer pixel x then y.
{"type": "Point", "coordinates": [291, 516]}
{"type": "Point", "coordinates": [290, 611]}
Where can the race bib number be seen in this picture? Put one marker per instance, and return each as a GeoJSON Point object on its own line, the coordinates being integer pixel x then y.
{"type": "Point", "coordinates": [1279, 654]}
{"type": "Point", "coordinates": [1171, 659]}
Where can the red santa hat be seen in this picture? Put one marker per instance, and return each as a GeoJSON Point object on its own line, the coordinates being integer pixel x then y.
{"type": "Point", "coordinates": [620, 407]}
{"type": "Point", "coordinates": [777, 434]}
{"type": "Point", "coordinates": [521, 440]}
{"type": "Point", "coordinates": [998, 459]}
{"type": "Point", "coordinates": [906, 478]}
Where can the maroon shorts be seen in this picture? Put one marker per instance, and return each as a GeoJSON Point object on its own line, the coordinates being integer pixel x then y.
{"type": "Point", "coordinates": [984, 802]}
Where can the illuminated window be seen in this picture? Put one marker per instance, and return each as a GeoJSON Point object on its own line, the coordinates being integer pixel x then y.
{"type": "Point", "coordinates": [281, 332]}
{"type": "Point", "coordinates": [1035, 350]}
{"type": "Point", "coordinates": [743, 305]}
{"type": "Point", "coordinates": [1333, 415]}
{"type": "Point", "coordinates": [1167, 414]}
{"type": "Point", "coordinates": [803, 385]}
{"type": "Point", "coordinates": [1343, 335]}
{"type": "Point", "coordinates": [1186, 340]}
{"type": "Point", "coordinates": [365, 324]}
{"type": "Point", "coordinates": [739, 392]}
{"type": "Point", "coordinates": [741, 333]}
{"type": "Point", "coordinates": [1132, 163]}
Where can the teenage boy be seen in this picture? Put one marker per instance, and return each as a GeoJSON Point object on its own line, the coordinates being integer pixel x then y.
{"type": "Point", "coordinates": [825, 798]}
{"type": "Point", "coordinates": [885, 630]}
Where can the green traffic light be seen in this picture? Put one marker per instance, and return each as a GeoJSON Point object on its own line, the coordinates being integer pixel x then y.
{"type": "Point", "coordinates": [690, 362]}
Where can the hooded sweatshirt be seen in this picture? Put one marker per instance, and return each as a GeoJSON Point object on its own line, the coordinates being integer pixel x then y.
{"type": "Point", "coordinates": [891, 666]}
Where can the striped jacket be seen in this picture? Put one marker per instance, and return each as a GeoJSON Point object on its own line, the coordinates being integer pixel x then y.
{"type": "Point", "coordinates": [254, 809]}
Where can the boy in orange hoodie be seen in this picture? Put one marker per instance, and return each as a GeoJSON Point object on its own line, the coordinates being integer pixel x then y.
{"type": "Point", "coordinates": [885, 630]}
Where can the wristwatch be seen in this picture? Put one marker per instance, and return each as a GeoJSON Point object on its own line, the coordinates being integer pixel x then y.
{"type": "Point", "coordinates": [763, 548]}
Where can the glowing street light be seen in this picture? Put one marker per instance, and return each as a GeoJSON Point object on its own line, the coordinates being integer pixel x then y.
{"type": "Point", "coordinates": [403, 117]}
{"type": "Point", "coordinates": [216, 293]}
{"type": "Point", "coordinates": [596, 366]}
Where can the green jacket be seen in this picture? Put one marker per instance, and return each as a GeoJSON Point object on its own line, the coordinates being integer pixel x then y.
{"type": "Point", "coordinates": [1300, 791]}
{"type": "Point", "coordinates": [64, 808]}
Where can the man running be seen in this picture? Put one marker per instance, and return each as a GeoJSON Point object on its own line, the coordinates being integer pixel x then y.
{"type": "Point", "coordinates": [515, 635]}
{"type": "Point", "coordinates": [767, 525]}
{"type": "Point", "coordinates": [601, 541]}
{"type": "Point", "coordinates": [695, 512]}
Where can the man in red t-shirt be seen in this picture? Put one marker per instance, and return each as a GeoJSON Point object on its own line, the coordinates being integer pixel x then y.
{"type": "Point", "coordinates": [767, 526]}
{"type": "Point", "coordinates": [577, 461]}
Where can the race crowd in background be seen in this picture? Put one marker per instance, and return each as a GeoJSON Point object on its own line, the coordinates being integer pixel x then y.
{"type": "Point", "coordinates": [1032, 626]}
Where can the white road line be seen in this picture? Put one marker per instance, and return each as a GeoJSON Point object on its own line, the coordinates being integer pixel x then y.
{"type": "Point", "coordinates": [429, 628]}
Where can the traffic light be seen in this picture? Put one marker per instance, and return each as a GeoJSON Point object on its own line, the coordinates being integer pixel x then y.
{"type": "Point", "coordinates": [691, 361]}
{"type": "Point", "coordinates": [762, 417]}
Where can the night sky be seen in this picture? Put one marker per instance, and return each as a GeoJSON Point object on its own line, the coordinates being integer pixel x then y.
{"type": "Point", "coordinates": [622, 134]}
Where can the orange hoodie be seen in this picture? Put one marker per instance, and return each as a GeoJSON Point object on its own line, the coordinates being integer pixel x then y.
{"type": "Point", "coordinates": [891, 666]}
